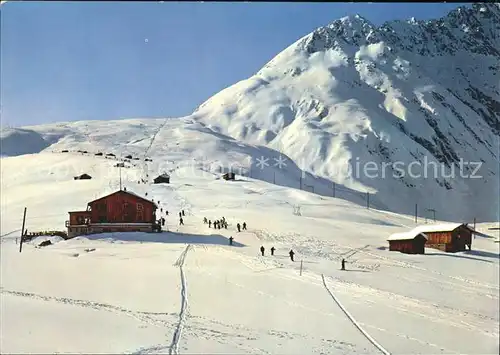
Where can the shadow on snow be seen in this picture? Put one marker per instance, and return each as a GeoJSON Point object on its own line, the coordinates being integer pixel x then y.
{"type": "Point", "coordinates": [464, 256]}
{"type": "Point", "coordinates": [165, 237]}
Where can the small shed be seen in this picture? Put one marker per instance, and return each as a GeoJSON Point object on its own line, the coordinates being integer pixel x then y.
{"type": "Point", "coordinates": [128, 156]}
{"type": "Point", "coordinates": [412, 242]}
{"type": "Point", "coordinates": [98, 154]}
{"type": "Point", "coordinates": [448, 237]}
{"type": "Point", "coordinates": [229, 176]}
{"type": "Point", "coordinates": [162, 179]}
{"type": "Point", "coordinates": [110, 155]}
{"type": "Point", "coordinates": [83, 177]}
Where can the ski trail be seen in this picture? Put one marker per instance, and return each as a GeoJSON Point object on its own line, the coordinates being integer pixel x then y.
{"type": "Point", "coordinates": [3, 236]}
{"type": "Point", "coordinates": [141, 316]}
{"type": "Point", "coordinates": [373, 341]}
{"type": "Point", "coordinates": [174, 347]}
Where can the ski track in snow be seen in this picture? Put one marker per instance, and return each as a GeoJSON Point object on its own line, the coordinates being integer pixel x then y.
{"type": "Point", "coordinates": [351, 318]}
{"type": "Point", "coordinates": [154, 137]}
{"type": "Point", "coordinates": [3, 236]}
{"type": "Point", "coordinates": [145, 317]}
{"type": "Point", "coordinates": [174, 347]}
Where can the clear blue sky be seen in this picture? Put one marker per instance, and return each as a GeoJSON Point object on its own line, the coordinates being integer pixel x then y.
{"type": "Point", "coordinates": [77, 61]}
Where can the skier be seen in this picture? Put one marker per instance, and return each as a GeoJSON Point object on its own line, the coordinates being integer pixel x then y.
{"type": "Point", "coordinates": [262, 250]}
{"type": "Point", "coordinates": [239, 227]}
{"type": "Point", "coordinates": [231, 240]}
{"type": "Point", "coordinates": [166, 213]}
{"type": "Point", "coordinates": [183, 213]}
{"type": "Point", "coordinates": [161, 209]}
{"type": "Point", "coordinates": [225, 225]}
{"type": "Point", "coordinates": [181, 221]}
{"type": "Point", "coordinates": [272, 250]}
{"type": "Point", "coordinates": [146, 193]}
{"type": "Point", "coordinates": [209, 223]}
{"type": "Point", "coordinates": [205, 220]}
{"type": "Point", "coordinates": [343, 264]}
{"type": "Point", "coordinates": [291, 253]}
{"type": "Point", "coordinates": [180, 215]}
{"type": "Point", "coordinates": [244, 226]}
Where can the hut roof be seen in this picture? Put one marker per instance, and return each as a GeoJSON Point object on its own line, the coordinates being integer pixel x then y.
{"type": "Point", "coordinates": [126, 192]}
{"type": "Point", "coordinates": [442, 227]}
{"type": "Point", "coordinates": [164, 175]}
{"type": "Point", "coordinates": [410, 235]}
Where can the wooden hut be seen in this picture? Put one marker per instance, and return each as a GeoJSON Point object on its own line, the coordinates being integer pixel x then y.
{"type": "Point", "coordinates": [448, 237]}
{"type": "Point", "coordinates": [409, 242]}
{"type": "Point", "coordinates": [83, 177]}
{"type": "Point", "coordinates": [121, 211]}
{"type": "Point", "coordinates": [128, 156]}
{"type": "Point", "coordinates": [229, 176]}
{"type": "Point", "coordinates": [162, 179]}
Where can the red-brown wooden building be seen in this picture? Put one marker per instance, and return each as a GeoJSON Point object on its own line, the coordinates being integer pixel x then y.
{"type": "Point", "coordinates": [121, 211]}
{"type": "Point", "coordinates": [448, 237]}
{"type": "Point", "coordinates": [409, 242]}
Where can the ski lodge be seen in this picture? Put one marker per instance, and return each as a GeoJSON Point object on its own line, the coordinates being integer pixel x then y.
{"type": "Point", "coordinates": [448, 237]}
{"type": "Point", "coordinates": [412, 242]}
{"type": "Point", "coordinates": [121, 211]}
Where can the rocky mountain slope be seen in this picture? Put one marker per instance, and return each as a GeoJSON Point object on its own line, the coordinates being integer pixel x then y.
{"type": "Point", "coordinates": [407, 91]}
{"type": "Point", "coordinates": [408, 111]}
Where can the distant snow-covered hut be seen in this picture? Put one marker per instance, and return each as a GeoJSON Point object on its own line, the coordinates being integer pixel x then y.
{"type": "Point", "coordinates": [162, 179]}
{"type": "Point", "coordinates": [412, 242]}
{"type": "Point", "coordinates": [229, 176]}
{"type": "Point", "coordinates": [83, 177]}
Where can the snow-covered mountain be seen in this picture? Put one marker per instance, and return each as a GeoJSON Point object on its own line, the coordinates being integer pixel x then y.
{"type": "Point", "coordinates": [352, 108]}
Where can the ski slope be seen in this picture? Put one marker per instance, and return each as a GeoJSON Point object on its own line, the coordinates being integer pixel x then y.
{"type": "Point", "coordinates": [188, 291]}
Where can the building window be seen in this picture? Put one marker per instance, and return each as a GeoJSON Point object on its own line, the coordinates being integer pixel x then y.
{"type": "Point", "coordinates": [140, 212]}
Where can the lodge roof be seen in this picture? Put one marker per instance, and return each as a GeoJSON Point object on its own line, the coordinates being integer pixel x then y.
{"type": "Point", "coordinates": [126, 192]}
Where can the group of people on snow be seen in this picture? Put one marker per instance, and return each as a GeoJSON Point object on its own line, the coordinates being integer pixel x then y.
{"type": "Point", "coordinates": [222, 223]}
{"type": "Point", "coordinates": [218, 224]}
{"type": "Point", "coordinates": [291, 253]}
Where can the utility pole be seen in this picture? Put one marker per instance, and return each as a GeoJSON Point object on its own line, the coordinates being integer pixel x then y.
{"type": "Point", "coordinates": [301, 268]}
{"type": "Point", "coordinates": [433, 213]}
{"type": "Point", "coordinates": [333, 189]}
{"type": "Point", "coordinates": [274, 177]}
{"type": "Point", "coordinates": [368, 200]}
{"type": "Point", "coordinates": [474, 227]}
{"type": "Point", "coordinates": [416, 209]}
{"type": "Point", "coordinates": [120, 168]}
{"type": "Point", "coordinates": [22, 231]}
{"type": "Point", "coordinates": [301, 181]}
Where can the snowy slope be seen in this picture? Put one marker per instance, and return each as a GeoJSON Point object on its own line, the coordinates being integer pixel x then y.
{"type": "Point", "coordinates": [347, 95]}
{"type": "Point", "coordinates": [187, 291]}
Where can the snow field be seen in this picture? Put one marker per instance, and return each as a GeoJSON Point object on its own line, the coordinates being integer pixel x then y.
{"type": "Point", "coordinates": [230, 299]}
